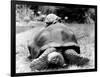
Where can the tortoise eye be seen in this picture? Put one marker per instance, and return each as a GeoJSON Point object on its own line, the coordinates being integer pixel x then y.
{"type": "Point", "coordinates": [54, 59]}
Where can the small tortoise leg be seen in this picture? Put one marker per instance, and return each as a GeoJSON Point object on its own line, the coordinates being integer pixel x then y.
{"type": "Point", "coordinates": [72, 57]}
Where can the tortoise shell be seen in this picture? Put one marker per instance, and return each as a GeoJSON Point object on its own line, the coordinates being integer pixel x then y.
{"type": "Point", "coordinates": [56, 35]}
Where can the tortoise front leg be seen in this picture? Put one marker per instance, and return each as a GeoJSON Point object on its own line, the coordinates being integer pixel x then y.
{"type": "Point", "coordinates": [49, 59]}
{"type": "Point", "coordinates": [41, 62]}
{"type": "Point", "coordinates": [73, 58]}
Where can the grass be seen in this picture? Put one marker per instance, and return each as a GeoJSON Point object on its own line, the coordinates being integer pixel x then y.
{"type": "Point", "coordinates": [21, 27]}
{"type": "Point", "coordinates": [84, 34]}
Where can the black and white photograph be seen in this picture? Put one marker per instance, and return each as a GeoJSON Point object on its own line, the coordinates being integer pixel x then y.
{"type": "Point", "coordinates": [51, 38]}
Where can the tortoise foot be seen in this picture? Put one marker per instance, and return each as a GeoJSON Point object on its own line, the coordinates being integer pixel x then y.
{"type": "Point", "coordinates": [74, 58]}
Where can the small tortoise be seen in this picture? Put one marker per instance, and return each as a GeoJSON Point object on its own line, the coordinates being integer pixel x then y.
{"type": "Point", "coordinates": [57, 36]}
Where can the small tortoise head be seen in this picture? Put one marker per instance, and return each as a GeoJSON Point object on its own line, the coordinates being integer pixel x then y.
{"type": "Point", "coordinates": [56, 58]}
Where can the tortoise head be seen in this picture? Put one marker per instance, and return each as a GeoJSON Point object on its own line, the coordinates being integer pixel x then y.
{"type": "Point", "coordinates": [56, 58]}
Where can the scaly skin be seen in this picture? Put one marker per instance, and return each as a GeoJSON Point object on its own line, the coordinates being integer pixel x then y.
{"type": "Point", "coordinates": [41, 62]}
{"type": "Point", "coordinates": [46, 58]}
{"type": "Point", "coordinates": [74, 58]}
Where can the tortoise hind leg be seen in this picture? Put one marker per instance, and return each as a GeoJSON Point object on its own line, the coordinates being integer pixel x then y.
{"type": "Point", "coordinates": [73, 58]}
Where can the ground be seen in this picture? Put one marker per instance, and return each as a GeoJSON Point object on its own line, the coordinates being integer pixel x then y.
{"type": "Point", "coordinates": [84, 34]}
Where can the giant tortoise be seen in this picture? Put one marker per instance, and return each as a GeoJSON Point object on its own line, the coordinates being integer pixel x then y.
{"type": "Point", "coordinates": [54, 38]}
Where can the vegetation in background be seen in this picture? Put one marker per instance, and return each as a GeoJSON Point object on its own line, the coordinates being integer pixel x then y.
{"type": "Point", "coordinates": [74, 14]}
